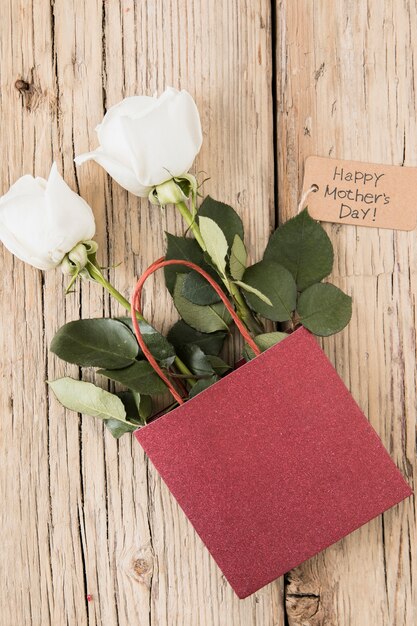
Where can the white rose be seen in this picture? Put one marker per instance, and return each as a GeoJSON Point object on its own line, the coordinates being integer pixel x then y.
{"type": "Point", "coordinates": [41, 221]}
{"type": "Point", "coordinates": [146, 141]}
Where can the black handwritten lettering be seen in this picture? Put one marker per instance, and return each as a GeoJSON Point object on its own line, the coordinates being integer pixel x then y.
{"type": "Point", "coordinates": [345, 211]}
{"type": "Point", "coordinates": [338, 173]}
{"type": "Point", "coordinates": [333, 192]}
{"type": "Point", "coordinates": [357, 177]}
{"type": "Point", "coordinates": [356, 214]}
{"type": "Point", "coordinates": [354, 195]}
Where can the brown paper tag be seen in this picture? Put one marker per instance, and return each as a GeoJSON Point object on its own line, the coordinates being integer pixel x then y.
{"type": "Point", "coordinates": [364, 194]}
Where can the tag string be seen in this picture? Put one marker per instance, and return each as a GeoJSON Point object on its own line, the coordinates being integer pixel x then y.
{"type": "Point", "coordinates": [137, 307]}
{"type": "Point", "coordinates": [312, 189]}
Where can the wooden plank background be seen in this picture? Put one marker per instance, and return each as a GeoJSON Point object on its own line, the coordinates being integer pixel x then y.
{"type": "Point", "coordinates": [82, 514]}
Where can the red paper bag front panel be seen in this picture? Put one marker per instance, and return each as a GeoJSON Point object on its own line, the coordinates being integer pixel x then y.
{"type": "Point", "coordinates": [273, 463]}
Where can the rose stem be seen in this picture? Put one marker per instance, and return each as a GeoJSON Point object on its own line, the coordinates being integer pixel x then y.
{"type": "Point", "coordinates": [242, 308]}
{"type": "Point", "coordinates": [98, 277]}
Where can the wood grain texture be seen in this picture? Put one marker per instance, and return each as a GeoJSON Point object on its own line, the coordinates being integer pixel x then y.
{"type": "Point", "coordinates": [82, 514]}
{"type": "Point", "coordinates": [346, 89]}
{"type": "Point", "coordinates": [85, 514]}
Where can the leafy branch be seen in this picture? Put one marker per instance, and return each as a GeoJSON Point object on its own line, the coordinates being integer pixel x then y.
{"type": "Point", "coordinates": [285, 286]}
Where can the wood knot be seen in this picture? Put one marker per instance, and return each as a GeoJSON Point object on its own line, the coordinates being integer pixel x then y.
{"type": "Point", "coordinates": [22, 85]}
{"type": "Point", "coordinates": [32, 94]}
{"type": "Point", "coordinates": [304, 609]}
{"type": "Point", "coordinates": [141, 567]}
{"type": "Point", "coordinates": [302, 599]}
{"type": "Point", "coordinates": [141, 570]}
{"type": "Point", "coordinates": [29, 92]}
{"type": "Point", "coordinates": [139, 564]}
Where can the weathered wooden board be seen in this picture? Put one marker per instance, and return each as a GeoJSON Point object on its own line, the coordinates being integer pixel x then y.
{"type": "Point", "coordinates": [82, 514]}
{"type": "Point", "coordinates": [345, 88]}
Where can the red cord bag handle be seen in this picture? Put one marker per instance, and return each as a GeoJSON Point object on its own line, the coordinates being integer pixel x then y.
{"type": "Point", "coordinates": [137, 307]}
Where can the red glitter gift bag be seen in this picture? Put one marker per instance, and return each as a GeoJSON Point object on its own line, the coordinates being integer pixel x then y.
{"type": "Point", "coordinates": [274, 462]}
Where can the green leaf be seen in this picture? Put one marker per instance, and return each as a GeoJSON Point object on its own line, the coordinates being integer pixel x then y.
{"type": "Point", "coordinates": [138, 377]}
{"type": "Point", "coordinates": [201, 385]}
{"type": "Point", "coordinates": [197, 361]}
{"type": "Point", "coordinates": [206, 319]}
{"type": "Point", "coordinates": [86, 398]}
{"type": "Point", "coordinates": [264, 341]}
{"type": "Point", "coordinates": [145, 407]}
{"type": "Point", "coordinates": [159, 345]}
{"type": "Point", "coordinates": [181, 248]}
{"type": "Point", "coordinates": [131, 401]}
{"type": "Point", "coordinates": [138, 407]}
{"type": "Point", "coordinates": [197, 290]}
{"type": "Point", "coordinates": [238, 258]}
{"type": "Point", "coordinates": [324, 309]}
{"type": "Point", "coordinates": [277, 284]}
{"type": "Point", "coordinates": [224, 216]}
{"type": "Point", "coordinates": [118, 429]}
{"type": "Point", "coordinates": [215, 242]}
{"type": "Point", "coordinates": [253, 290]}
{"type": "Point", "coordinates": [182, 334]}
{"type": "Point", "coordinates": [95, 343]}
{"type": "Point", "coordinates": [267, 340]}
{"type": "Point", "coordinates": [218, 365]}
{"type": "Point", "coordinates": [302, 247]}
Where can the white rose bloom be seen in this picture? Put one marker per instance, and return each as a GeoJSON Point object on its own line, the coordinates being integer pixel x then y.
{"type": "Point", "coordinates": [146, 141]}
{"type": "Point", "coordinates": [41, 221]}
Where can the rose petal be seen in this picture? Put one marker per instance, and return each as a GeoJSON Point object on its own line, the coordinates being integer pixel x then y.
{"type": "Point", "coordinates": [121, 174]}
{"type": "Point", "coordinates": [23, 229]}
{"type": "Point", "coordinates": [146, 141]}
{"type": "Point", "coordinates": [26, 185]}
{"type": "Point", "coordinates": [69, 218]}
{"type": "Point", "coordinates": [110, 132]}
{"type": "Point", "coordinates": [165, 142]}
{"type": "Point", "coordinates": [40, 221]}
